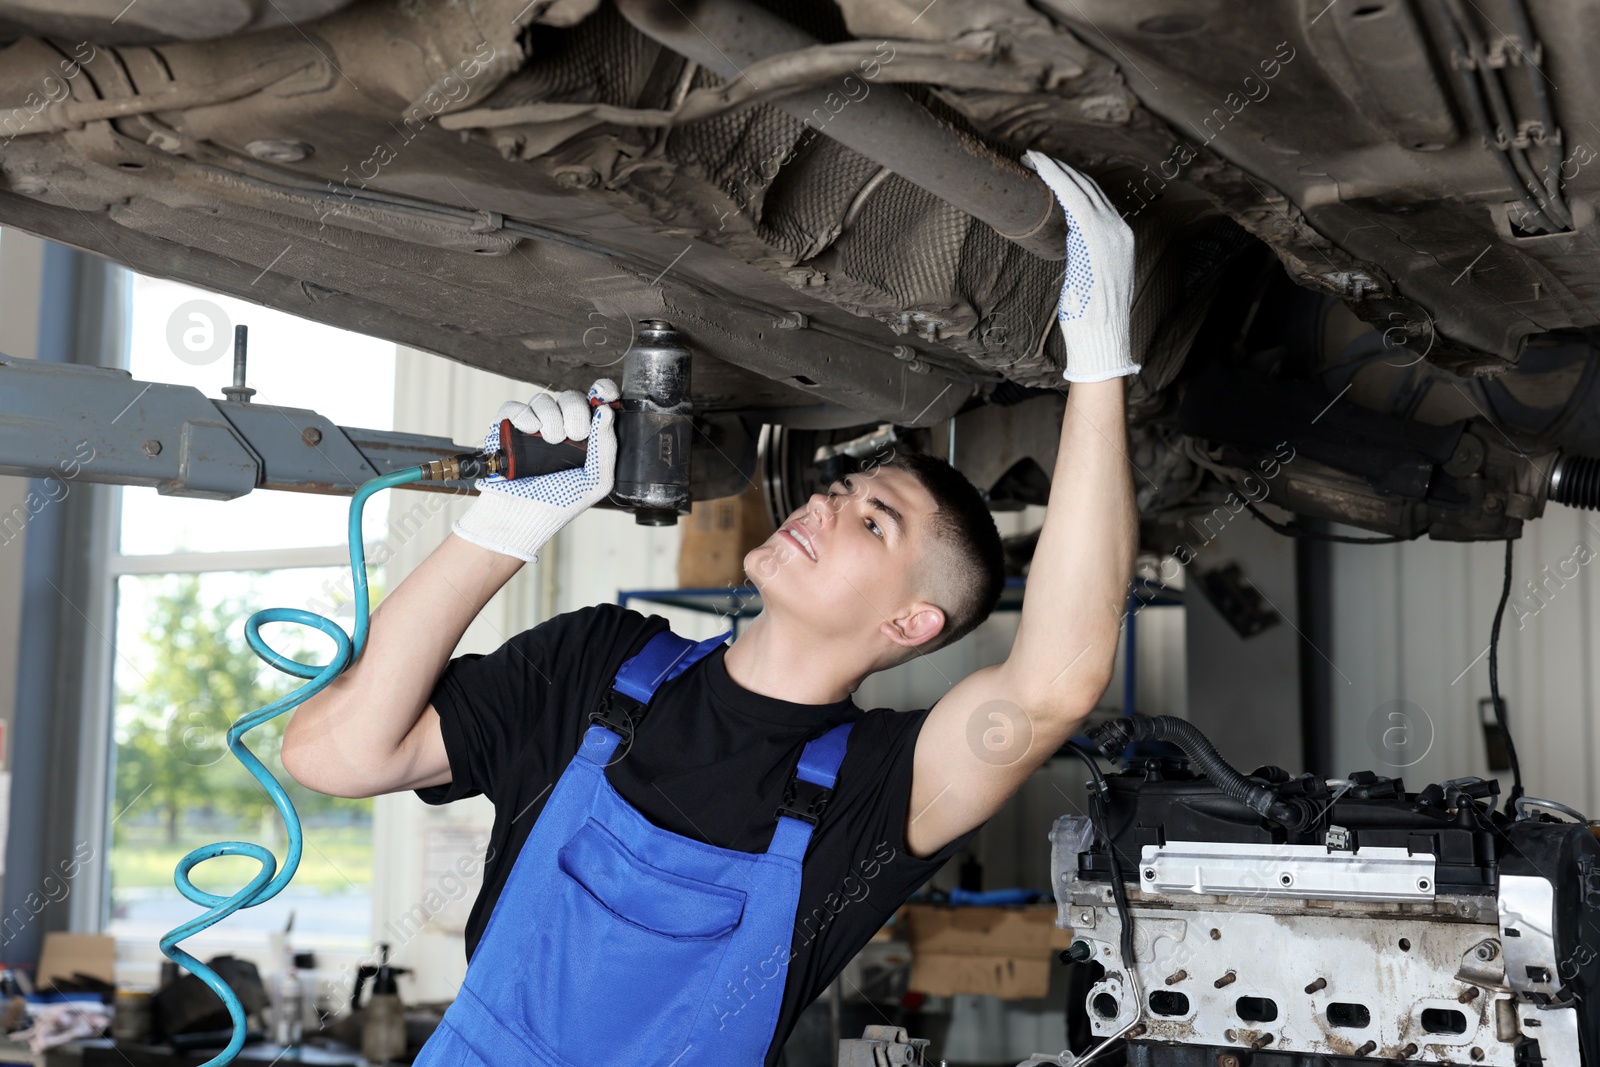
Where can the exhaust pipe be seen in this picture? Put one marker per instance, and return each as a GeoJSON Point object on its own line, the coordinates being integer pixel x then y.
{"type": "Point", "coordinates": [888, 127]}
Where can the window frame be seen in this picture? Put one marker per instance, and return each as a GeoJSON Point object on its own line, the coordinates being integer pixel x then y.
{"type": "Point", "coordinates": [139, 960]}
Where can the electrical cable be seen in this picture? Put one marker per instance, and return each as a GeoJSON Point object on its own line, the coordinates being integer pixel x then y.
{"type": "Point", "coordinates": [1294, 813]}
{"type": "Point", "coordinates": [271, 880]}
{"type": "Point", "coordinates": [1309, 535]}
{"type": "Point", "coordinates": [1467, 57]}
{"type": "Point", "coordinates": [1541, 100]}
{"type": "Point", "coordinates": [1505, 121]}
{"type": "Point", "coordinates": [1494, 689]}
{"type": "Point", "coordinates": [1523, 803]}
{"type": "Point", "coordinates": [1099, 818]}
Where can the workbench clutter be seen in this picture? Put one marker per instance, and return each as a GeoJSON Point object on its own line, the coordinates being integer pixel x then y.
{"type": "Point", "coordinates": [70, 997]}
{"type": "Point", "coordinates": [53, 1019]}
{"type": "Point", "coordinates": [187, 1012]}
{"type": "Point", "coordinates": [1004, 952]}
{"type": "Point", "coordinates": [76, 999]}
{"type": "Point", "coordinates": [184, 1022]}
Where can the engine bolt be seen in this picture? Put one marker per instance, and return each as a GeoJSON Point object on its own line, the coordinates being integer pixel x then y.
{"type": "Point", "coordinates": [1320, 983]}
{"type": "Point", "coordinates": [1409, 1051]}
{"type": "Point", "coordinates": [1467, 996]}
{"type": "Point", "coordinates": [1368, 1047]}
{"type": "Point", "coordinates": [1226, 980]}
{"type": "Point", "coordinates": [1261, 1042]}
{"type": "Point", "coordinates": [577, 178]}
{"type": "Point", "coordinates": [1216, 935]}
{"type": "Point", "coordinates": [151, 448]}
{"type": "Point", "coordinates": [1137, 1031]}
{"type": "Point", "coordinates": [1149, 874]}
{"type": "Point", "coordinates": [311, 436]}
{"type": "Point", "coordinates": [274, 151]}
{"type": "Point", "coordinates": [1227, 1059]}
{"type": "Point", "coordinates": [1177, 976]}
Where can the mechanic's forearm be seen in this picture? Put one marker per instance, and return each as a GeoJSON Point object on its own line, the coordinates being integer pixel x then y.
{"type": "Point", "coordinates": [352, 731]}
{"type": "Point", "coordinates": [1066, 642]}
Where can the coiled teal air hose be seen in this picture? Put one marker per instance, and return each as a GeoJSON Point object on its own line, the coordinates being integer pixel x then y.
{"type": "Point", "coordinates": [271, 880]}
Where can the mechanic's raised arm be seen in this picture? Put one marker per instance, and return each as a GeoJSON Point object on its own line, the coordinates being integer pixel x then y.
{"type": "Point", "coordinates": [373, 729]}
{"type": "Point", "coordinates": [994, 727]}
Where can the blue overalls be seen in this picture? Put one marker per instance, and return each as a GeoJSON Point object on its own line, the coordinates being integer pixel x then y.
{"type": "Point", "coordinates": [615, 942]}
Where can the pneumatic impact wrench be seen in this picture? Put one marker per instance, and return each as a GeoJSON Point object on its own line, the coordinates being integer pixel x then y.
{"type": "Point", "coordinates": [654, 424]}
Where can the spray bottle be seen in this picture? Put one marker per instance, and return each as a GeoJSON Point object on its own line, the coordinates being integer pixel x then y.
{"type": "Point", "coordinates": [383, 1032]}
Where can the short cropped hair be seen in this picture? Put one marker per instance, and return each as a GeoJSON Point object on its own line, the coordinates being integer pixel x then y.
{"type": "Point", "coordinates": [963, 525]}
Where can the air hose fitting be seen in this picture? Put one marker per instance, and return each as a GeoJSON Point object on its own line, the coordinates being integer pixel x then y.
{"type": "Point", "coordinates": [1293, 815]}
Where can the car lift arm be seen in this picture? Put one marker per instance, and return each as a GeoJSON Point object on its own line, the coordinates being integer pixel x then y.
{"type": "Point", "coordinates": [97, 424]}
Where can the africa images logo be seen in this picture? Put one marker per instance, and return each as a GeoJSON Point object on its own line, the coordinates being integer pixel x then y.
{"type": "Point", "coordinates": [1399, 733]}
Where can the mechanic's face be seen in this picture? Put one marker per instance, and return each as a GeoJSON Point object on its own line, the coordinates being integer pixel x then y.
{"type": "Point", "coordinates": [848, 560]}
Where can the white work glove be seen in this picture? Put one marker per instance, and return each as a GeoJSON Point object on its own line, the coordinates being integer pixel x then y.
{"type": "Point", "coordinates": [1096, 296]}
{"type": "Point", "coordinates": [517, 518]}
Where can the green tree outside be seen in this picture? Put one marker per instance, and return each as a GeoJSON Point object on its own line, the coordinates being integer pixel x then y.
{"type": "Point", "coordinates": [172, 753]}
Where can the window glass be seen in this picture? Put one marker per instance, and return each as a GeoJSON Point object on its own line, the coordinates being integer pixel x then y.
{"type": "Point", "coordinates": [265, 519]}
{"type": "Point", "coordinates": [182, 335]}
{"type": "Point", "coordinates": [183, 674]}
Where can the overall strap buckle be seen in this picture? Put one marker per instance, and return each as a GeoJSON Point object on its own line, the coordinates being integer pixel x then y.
{"type": "Point", "coordinates": [813, 779]}
{"type": "Point", "coordinates": [618, 713]}
{"type": "Point", "coordinates": [804, 800]}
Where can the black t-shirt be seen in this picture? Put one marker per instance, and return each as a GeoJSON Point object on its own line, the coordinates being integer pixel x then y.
{"type": "Point", "coordinates": [710, 761]}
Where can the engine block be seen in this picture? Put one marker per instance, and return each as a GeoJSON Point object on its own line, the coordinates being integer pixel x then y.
{"type": "Point", "coordinates": [1401, 927]}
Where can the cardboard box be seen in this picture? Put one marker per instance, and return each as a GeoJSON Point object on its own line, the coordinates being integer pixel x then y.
{"type": "Point", "coordinates": [998, 952]}
{"type": "Point", "coordinates": [67, 954]}
{"type": "Point", "coordinates": [716, 537]}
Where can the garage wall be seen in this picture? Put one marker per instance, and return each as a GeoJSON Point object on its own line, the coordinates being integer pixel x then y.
{"type": "Point", "coordinates": [419, 906]}
{"type": "Point", "coordinates": [1244, 693]}
{"type": "Point", "coordinates": [1409, 619]}
{"type": "Point", "coordinates": [21, 258]}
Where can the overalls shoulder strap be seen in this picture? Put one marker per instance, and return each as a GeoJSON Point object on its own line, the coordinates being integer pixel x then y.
{"type": "Point", "coordinates": [663, 658]}
{"type": "Point", "coordinates": [808, 792]}
{"type": "Point", "coordinates": [600, 898]}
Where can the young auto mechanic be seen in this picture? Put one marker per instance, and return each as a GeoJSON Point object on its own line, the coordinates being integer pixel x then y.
{"type": "Point", "coordinates": [692, 840]}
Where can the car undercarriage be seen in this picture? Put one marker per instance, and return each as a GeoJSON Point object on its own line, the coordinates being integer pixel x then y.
{"type": "Point", "coordinates": [1366, 272]}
